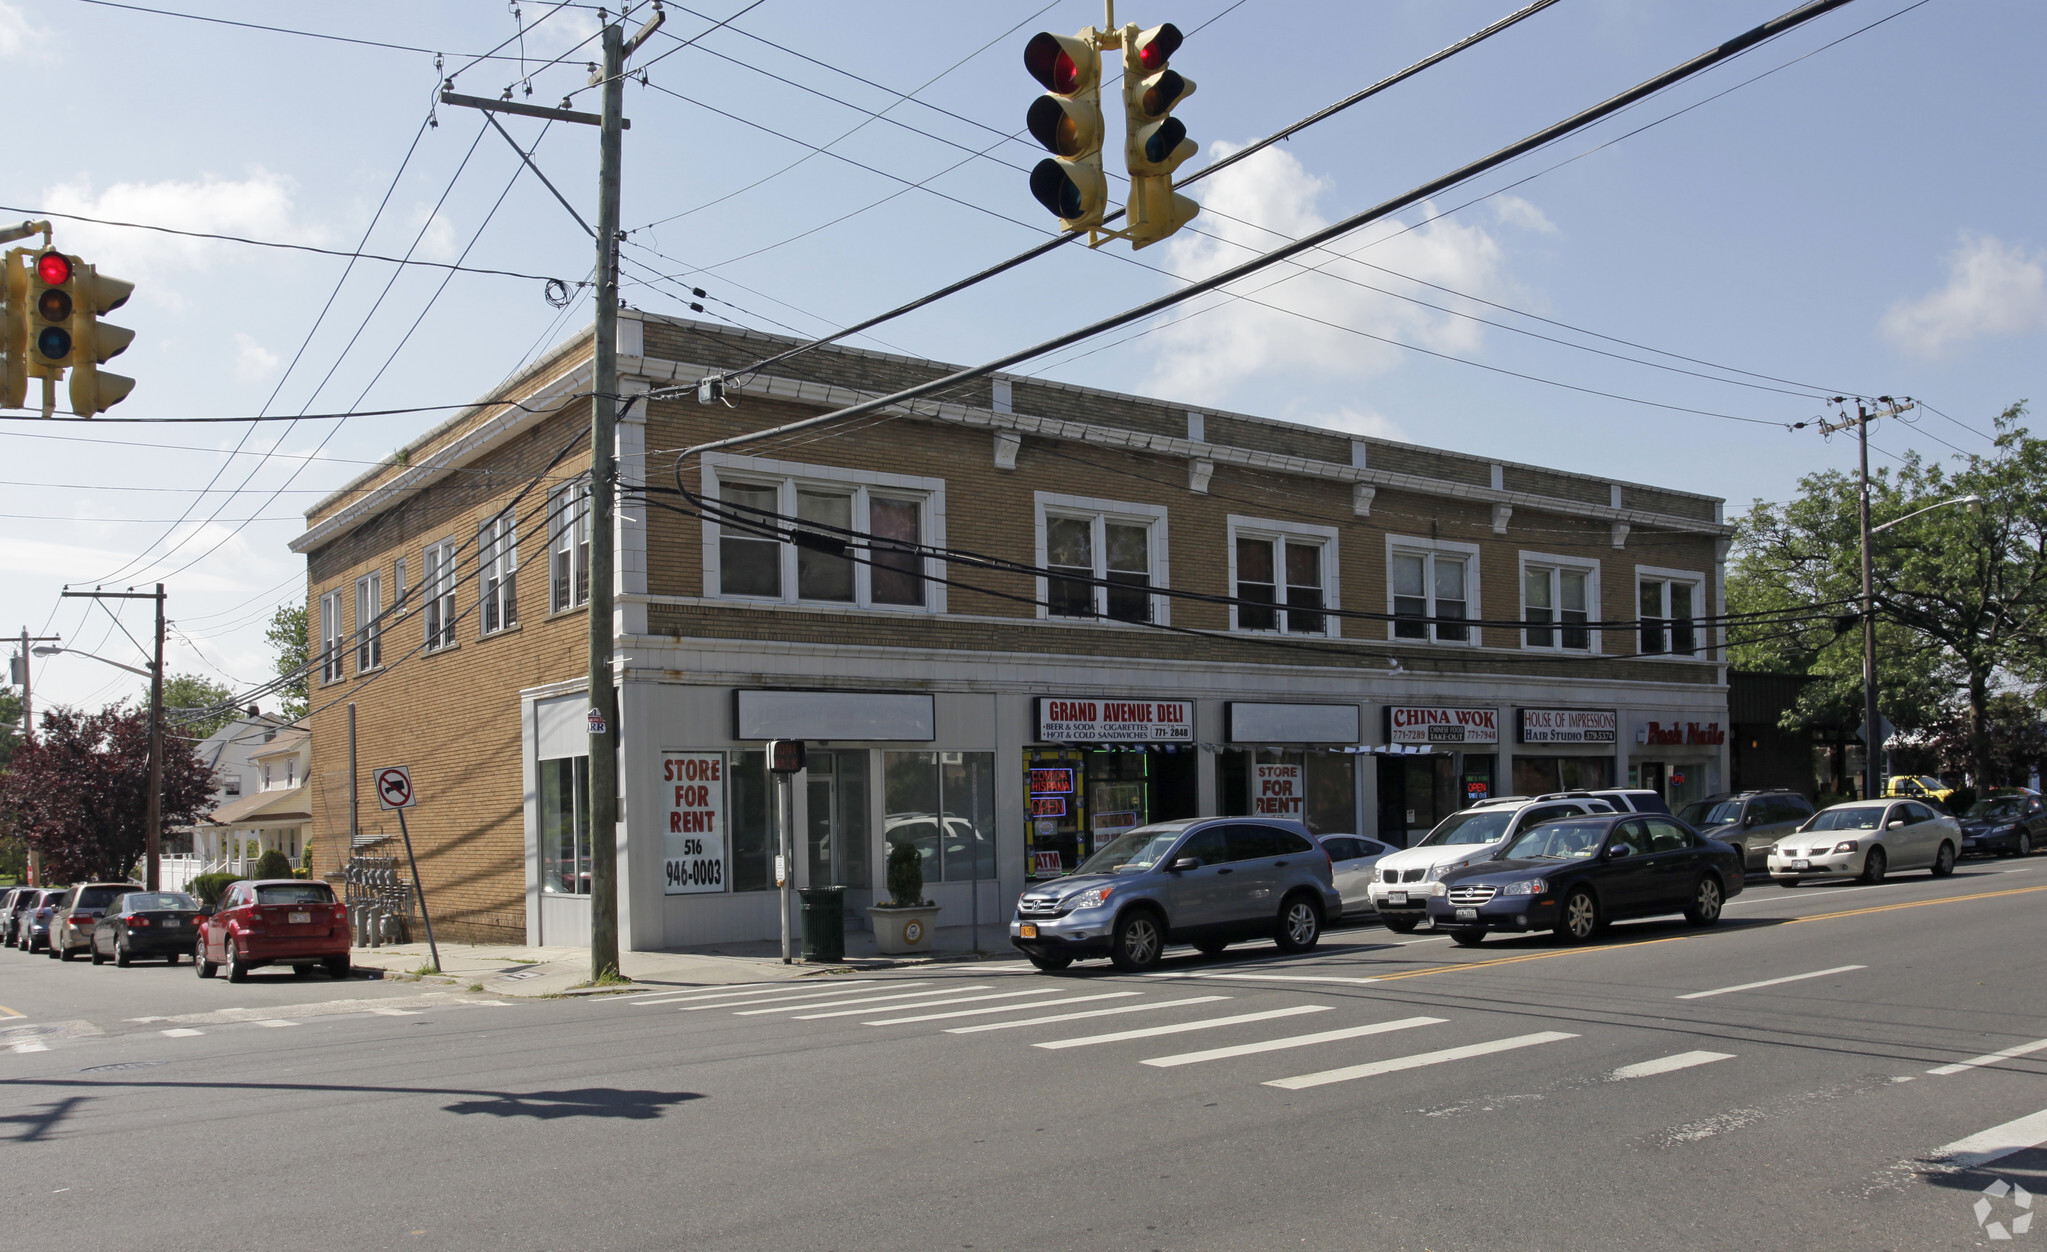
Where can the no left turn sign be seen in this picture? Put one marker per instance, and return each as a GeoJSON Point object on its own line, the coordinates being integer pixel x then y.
{"type": "Point", "coordinates": [394, 788]}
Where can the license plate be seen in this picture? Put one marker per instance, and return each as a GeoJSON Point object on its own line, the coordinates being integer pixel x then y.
{"type": "Point", "coordinates": [1028, 931]}
{"type": "Point", "coordinates": [298, 919]}
{"type": "Point", "coordinates": [1396, 897]}
{"type": "Point", "coordinates": [1801, 864]}
{"type": "Point", "coordinates": [1467, 915]}
{"type": "Point", "coordinates": [172, 923]}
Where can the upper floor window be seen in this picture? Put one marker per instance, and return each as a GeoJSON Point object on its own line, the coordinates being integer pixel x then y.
{"type": "Point", "coordinates": [437, 591]}
{"type": "Point", "coordinates": [1432, 579]}
{"type": "Point", "coordinates": [1556, 602]}
{"type": "Point", "coordinates": [369, 630]}
{"type": "Point", "coordinates": [333, 650]}
{"type": "Point", "coordinates": [823, 536]}
{"type": "Point", "coordinates": [497, 568]}
{"type": "Point", "coordinates": [1669, 602]}
{"type": "Point", "coordinates": [1284, 575]}
{"type": "Point", "coordinates": [568, 545]}
{"type": "Point", "coordinates": [1101, 558]}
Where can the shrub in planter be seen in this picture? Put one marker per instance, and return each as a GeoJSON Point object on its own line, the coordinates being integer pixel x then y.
{"type": "Point", "coordinates": [906, 877]}
{"type": "Point", "coordinates": [207, 888]}
{"type": "Point", "coordinates": [273, 864]}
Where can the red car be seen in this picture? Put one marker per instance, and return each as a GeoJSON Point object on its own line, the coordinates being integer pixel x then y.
{"type": "Point", "coordinates": [274, 921]}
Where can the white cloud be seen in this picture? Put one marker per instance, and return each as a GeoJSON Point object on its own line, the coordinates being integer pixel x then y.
{"type": "Point", "coordinates": [259, 206]}
{"type": "Point", "coordinates": [17, 35]}
{"type": "Point", "coordinates": [1514, 211]}
{"type": "Point", "coordinates": [1353, 421]}
{"type": "Point", "coordinates": [252, 359]}
{"type": "Point", "coordinates": [1993, 289]}
{"type": "Point", "coordinates": [1236, 342]}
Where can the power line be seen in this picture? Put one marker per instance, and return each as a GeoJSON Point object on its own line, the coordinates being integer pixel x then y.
{"type": "Point", "coordinates": [284, 30]}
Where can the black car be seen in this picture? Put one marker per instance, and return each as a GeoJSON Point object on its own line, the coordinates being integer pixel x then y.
{"type": "Point", "coordinates": [1575, 875]}
{"type": "Point", "coordinates": [2004, 826]}
{"type": "Point", "coordinates": [145, 924]}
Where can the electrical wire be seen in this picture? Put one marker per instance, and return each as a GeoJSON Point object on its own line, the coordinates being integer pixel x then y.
{"type": "Point", "coordinates": [280, 30]}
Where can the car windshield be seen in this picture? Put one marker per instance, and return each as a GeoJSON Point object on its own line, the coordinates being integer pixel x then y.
{"type": "Point", "coordinates": [1470, 826]}
{"type": "Point", "coordinates": [1132, 852]}
{"type": "Point", "coordinates": [147, 901]}
{"type": "Point", "coordinates": [2008, 807]}
{"type": "Point", "coordinates": [1932, 784]}
{"type": "Point", "coordinates": [1556, 841]}
{"type": "Point", "coordinates": [1848, 819]}
{"type": "Point", "coordinates": [295, 893]}
{"type": "Point", "coordinates": [1708, 813]}
{"type": "Point", "coordinates": [98, 897]}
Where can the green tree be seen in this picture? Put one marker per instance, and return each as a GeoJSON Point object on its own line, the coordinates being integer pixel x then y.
{"type": "Point", "coordinates": [1961, 594]}
{"type": "Point", "coordinates": [287, 634]}
{"type": "Point", "coordinates": [195, 706]}
{"type": "Point", "coordinates": [10, 724]}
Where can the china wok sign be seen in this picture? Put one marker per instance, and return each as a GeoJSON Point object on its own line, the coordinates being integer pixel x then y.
{"type": "Point", "coordinates": [1417, 723]}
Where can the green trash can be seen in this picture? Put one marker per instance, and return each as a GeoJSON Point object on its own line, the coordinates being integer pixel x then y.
{"type": "Point", "coordinates": [824, 923]}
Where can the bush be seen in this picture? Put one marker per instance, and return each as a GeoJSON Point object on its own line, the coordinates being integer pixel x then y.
{"type": "Point", "coordinates": [906, 876]}
{"type": "Point", "coordinates": [273, 864]}
{"type": "Point", "coordinates": [208, 887]}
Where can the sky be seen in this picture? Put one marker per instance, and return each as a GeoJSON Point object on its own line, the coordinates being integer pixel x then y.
{"type": "Point", "coordinates": [1853, 208]}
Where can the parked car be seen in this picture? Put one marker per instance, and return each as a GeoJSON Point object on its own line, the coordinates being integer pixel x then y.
{"type": "Point", "coordinates": [145, 923]}
{"type": "Point", "coordinates": [1354, 859]}
{"type": "Point", "coordinates": [1751, 822]}
{"type": "Point", "coordinates": [1406, 877]}
{"type": "Point", "coordinates": [2005, 825]}
{"type": "Point", "coordinates": [274, 921]}
{"type": "Point", "coordinates": [1623, 800]}
{"type": "Point", "coordinates": [1918, 786]}
{"type": "Point", "coordinates": [33, 931]}
{"type": "Point", "coordinates": [16, 903]}
{"type": "Point", "coordinates": [71, 927]}
{"type": "Point", "coordinates": [1208, 881]}
{"type": "Point", "coordinates": [1867, 839]}
{"type": "Point", "coordinates": [1575, 875]}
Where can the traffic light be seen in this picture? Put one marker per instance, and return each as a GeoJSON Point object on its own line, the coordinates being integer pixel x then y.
{"type": "Point", "coordinates": [1068, 122]}
{"type": "Point", "coordinates": [14, 330]}
{"type": "Point", "coordinates": [94, 342]}
{"type": "Point", "coordinates": [49, 312]}
{"type": "Point", "coordinates": [1156, 142]}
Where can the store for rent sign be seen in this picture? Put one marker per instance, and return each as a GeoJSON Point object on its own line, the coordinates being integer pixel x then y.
{"type": "Point", "coordinates": [1277, 791]}
{"type": "Point", "coordinates": [1408, 723]}
{"type": "Point", "coordinates": [694, 841]}
{"type": "Point", "coordinates": [1063, 719]}
{"type": "Point", "coordinates": [1569, 725]}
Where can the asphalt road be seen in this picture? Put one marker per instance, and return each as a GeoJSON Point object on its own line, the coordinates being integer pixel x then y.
{"type": "Point", "coordinates": [1383, 1092]}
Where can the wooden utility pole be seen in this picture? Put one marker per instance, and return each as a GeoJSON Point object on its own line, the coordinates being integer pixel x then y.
{"type": "Point", "coordinates": [154, 827]}
{"type": "Point", "coordinates": [1872, 720]}
{"type": "Point", "coordinates": [603, 484]}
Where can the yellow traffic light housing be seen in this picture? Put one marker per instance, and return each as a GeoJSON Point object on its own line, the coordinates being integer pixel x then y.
{"type": "Point", "coordinates": [1155, 142]}
{"type": "Point", "coordinates": [49, 312]}
{"type": "Point", "coordinates": [94, 342]}
{"type": "Point", "coordinates": [1068, 122]}
{"type": "Point", "coordinates": [14, 330]}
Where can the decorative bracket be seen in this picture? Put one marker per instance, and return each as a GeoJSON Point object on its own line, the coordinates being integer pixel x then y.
{"type": "Point", "coordinates": [1006, 444]}
{"type": "Point", "coordinates": [1361, 499]}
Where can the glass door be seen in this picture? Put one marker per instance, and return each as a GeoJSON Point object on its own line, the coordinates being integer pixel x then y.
{"type": "Point", "coordinates": [837, 836]}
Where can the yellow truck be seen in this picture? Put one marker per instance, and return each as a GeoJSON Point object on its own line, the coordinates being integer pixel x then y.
{"type": "Point", "coordinates": [1918, 786]}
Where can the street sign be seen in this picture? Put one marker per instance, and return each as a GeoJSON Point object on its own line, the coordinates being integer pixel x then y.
{"type": "Point", "coordinates": [596, 721]}
{"type": "Point", "coordinates": [394, 788]}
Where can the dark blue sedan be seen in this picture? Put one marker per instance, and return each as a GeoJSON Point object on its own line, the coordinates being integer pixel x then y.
{"type": "Point", "coordinates": [1576, 875]}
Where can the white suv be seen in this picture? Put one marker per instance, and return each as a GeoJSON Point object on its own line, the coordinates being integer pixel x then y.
{"type": "Point", "coordinates": [1407, 878]}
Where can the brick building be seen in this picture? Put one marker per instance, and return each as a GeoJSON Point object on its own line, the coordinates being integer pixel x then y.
{"type": "Point", "coordinates": [1012, 623]}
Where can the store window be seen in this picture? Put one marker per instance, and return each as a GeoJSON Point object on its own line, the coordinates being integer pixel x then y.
{"type": "Point", "coordinates": [1317, 788]}
{"type": "Point", "coordinates": [1540, 775]}
{"type": "Point", "coordinates": [1556, 602]}
{"type": "Point", "coordinates": [750, 798]}
{"type": "Point", "coordinates": [437, 586]}
{"type": "Point", "coordinates": [1284, 577]}
{"type": "Point", "coordinates": [942, 804]}
{"type": "Point", "coordinates": [1670, 605]}
{"type": "Point", "coordinates": [497, 566]}
{"type": "Point", "coordinates": [824, 536]}
{"type": "Point", "coordinates": [1432, 579]}
{"type": "Point", "coordinates": [565, 826]}
{"type": "Point", "coordinates": [568, 546]}
{"type": "Point", "coordinates": [1102, 559]}
{"type": "Point", "coordinates": [1079, 799]}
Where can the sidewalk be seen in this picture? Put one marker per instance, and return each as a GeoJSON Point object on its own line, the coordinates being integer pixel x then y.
{"type": "Point", "coordinates": [546, 971]}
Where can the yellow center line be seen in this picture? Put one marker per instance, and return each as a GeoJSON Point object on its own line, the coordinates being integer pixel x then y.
{"type": "Point", "coordinates": [11, 1012]}
{"type": "Point", "coordinates": [1532, 956]}
{"type": "Point", "coordinates": [1917, 904]}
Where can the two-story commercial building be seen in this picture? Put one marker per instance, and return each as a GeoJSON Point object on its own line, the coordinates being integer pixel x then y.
{"type": "Point", "coordinates": [1009, 622]}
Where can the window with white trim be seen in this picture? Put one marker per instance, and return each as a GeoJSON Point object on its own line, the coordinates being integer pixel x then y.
{"type": "Point", "coordinates": [437, 569]}
{"type": "Point", "coordinates": [369, 628]}
{"type": "Point", "coordinates": [823, 536]}
{"type": "Point", "coordinates": [1557, 599]}
{"type": "Point", "coordinates": [1284, 577]}
{"type": "Point", "coordinates": [1427, 579]}
{"type": "Point", "coordinates": [1101, 559]}
{"type": "Point", "coordinates": [333, 648]}
{"type": "Point", "coordinates": [497, 574]}
{"type": "Point", "coordinates": [568, 546]}
{"type": "Point", "coordinates": [1669, 603]}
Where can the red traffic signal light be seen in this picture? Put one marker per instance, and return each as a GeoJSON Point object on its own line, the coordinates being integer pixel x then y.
{"type": "Point", "coordinates": [1157, 45]}
{"type": "Point", "coordinates": [1156, 142]}
{"type": "Point", "coordinates": [1067, 121]}
{"type": "Point", "coordinates": [53, 268]}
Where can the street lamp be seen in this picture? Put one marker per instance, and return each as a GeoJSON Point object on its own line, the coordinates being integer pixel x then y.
{"type": "Point", "coordinates": [48, 650]}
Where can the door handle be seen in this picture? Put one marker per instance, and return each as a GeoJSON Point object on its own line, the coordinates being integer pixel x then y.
{"type": "Point", "coordinates": [1279, 865]}
{"type": "Point", "coordinates": [1226, 870]}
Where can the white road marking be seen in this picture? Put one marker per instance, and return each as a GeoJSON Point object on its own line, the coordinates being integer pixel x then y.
{"type": "Point", "coordinates": [181, 1032]}
{"type": "Point", "coordinates": [995, 967]}
{"type": "Point", "coordinates": [696, 995]}
{"type": "Point", "coordinates": [1206, 1023]}
{"type": "Point", "coordinates": [1419, 1059]}
{"type": "Point", "coordinates": [732, 989]}
{"type": "Point", "coordinates": [1986, 1146]}
{"type": "Point", "coordinates": [1665, 1064]}
{"type": "Point", "coordinates": [903, 995]}
{"type": "Point", "coordinates": [1070, 1017]}
{"type": "Point", "coordinates": [1991, 1058]}
{"type": "Point", "coordinates": [1770, 982]}
{"type": "Point", "coordinates": [1001, 1008]}
{"type": "Point", "coordinates": [1000, 995]}
{"type": "Point", "coordinates": [1248, 977]}
{"type": "Point", "coordinates": [1292, 1041]}
{"type": "Point", "coordinates": [274, 1021]}
{"type": "Point", "coordinates": [35, 1045]}
{"type": "Point", "coordinates": [729, 1003]}
{"type": "Point", "coordinates": [381, 1011]}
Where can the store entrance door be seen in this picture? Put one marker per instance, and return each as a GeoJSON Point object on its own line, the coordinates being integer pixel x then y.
{"type": "Point", "coordinates": [1415, 792]}
{"type": "Point", "coordinates": [836, 840]}
{"type": "Point", "coordinates": [1654, 776]}
{"type": "Point", "coordinates": [1080, 799]}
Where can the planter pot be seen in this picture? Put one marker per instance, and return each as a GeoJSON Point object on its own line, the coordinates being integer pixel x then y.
{"type": "Point", "coordinates": [903, 932]}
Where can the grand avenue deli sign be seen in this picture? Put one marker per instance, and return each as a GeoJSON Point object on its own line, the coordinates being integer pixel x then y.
{"type": "Point", "coordinates": [1416, 723]}
{"type": "Point", "coordinates": [1087, 719]}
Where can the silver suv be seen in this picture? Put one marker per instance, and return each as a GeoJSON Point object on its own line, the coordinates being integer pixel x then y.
{"type": "Point", "coordinates": [1207, 881]}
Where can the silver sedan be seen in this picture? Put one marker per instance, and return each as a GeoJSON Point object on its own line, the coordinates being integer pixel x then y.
{"type": "Point", "coordinates": [1353, 857]}
{"type": "Point", "coordinates": [1867, 839]}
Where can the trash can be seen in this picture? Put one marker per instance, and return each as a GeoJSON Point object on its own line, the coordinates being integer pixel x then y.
{"type": "Point", "coordinates": [824, 923]}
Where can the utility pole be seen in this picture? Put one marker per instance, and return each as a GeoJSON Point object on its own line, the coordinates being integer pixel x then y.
{"type": "Point", "coordinates": [1872, 750]}
{"type": "Point", "coordinates": [22, 676]}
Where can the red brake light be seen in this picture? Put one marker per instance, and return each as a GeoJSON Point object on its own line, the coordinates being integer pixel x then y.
{"type": "Point", "coordinates": [53, 268]}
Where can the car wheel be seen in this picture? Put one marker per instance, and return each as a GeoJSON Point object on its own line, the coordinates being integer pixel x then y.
{"type": "Point", "coordinates": [97, 959]}
{"type": "Point", "coordinates": [122, 957]}
{"type": "Point", "coordinates": [1944, 860]}
{"type": "Point", "coordinates": [237, 970]}
{"type": "Point", "coordinates": [338, 967]}
{"type": "Point", "coordinates": [62, 951]}
{"type": "Point", "coordinates": [1300, 924]}
{"type": "Point", "coordinates": [1873, 866]}
{"type": "Point", "coordinates": [1467, 938]}
{"type": "Point", "coordinates": [2025, 845]}
{"type": "Point", "coordinates": [1049, 964]}
{"type": "Point", "coordinates": [1787, 882]}
{"type": "Point", "coordinates": [200, 965]}
{"type": "Point", "coordinates": [1578, 921]}
{"type": "Point", "coordinates": [172, 959]}
{"type": "Point", "coordinates": [1138, 942]}
{"type": "Point", "coordinates": [1707, 899]}
{"type": "Point", "coordinates": [301, 971]}
{"type": "Point", "coordinates": [1211, 947]}
{"type": "Point", "coordinates": [1401, 925]}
